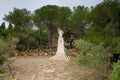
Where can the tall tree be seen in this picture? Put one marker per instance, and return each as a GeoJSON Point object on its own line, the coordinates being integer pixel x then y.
{"type": "Point", "coordinates": [10, 30]}
{"type": "Point", "coordinates": [78, 20]}
{"type": "Point", "coordinates": [105, 14]}
{"type": "Point", "coordinates": [64, 17]}
{"type": "Point", "coordinates": [21, 19]}
{"type": "Point", "coordinates": [47, 16]}
{"type": "Point", "coordinates": [39, 24]}
{"type": "Point", "coordinates": [3, 33]}
{"type": "Point", "coordinates": [106, 24]}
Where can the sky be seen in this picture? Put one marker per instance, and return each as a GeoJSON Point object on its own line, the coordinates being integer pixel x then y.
{"type": "Point", "coordinates": [7, 5]}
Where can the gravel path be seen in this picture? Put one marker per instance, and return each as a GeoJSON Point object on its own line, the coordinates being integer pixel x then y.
{"type": "Point", "coordinates": [41, 68]}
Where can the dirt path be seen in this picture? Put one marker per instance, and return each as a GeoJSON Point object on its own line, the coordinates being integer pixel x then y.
{"type": "Point", "coordinates": [41, 68]}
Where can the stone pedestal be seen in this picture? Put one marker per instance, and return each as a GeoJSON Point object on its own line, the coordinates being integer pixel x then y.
{"type": "Point", "coordinates": [60, 57]}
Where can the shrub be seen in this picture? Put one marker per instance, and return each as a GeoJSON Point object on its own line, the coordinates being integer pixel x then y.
{"type": "Point", "coordinates": [83, 46]}
{"type": "Point", "coordinates": [92, 55]}
{"type": "Point", "coordinates": [116, 42]}
{"type": "Point", "coordinates": [1, 59]}
{"type": "Point", "coordinates": [21, 47]}
{"type": "Point", "coordinates": [115, 75]}
{"type": "Point", "coordinates": [98, 57]}
{"type": "Point", "coordinates": [6, 49]}
{"type": "Point", "coordinates": [2, 71]}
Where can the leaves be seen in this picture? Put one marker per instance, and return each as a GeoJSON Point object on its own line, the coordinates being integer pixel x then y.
{"type": "Point", "coordinates": [91, 55]}
{"type": "Point", "coordinates": [115, 75]}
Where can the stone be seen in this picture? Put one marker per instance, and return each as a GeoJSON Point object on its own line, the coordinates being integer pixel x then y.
{"type": "Point", "coordinates": [46, 54]}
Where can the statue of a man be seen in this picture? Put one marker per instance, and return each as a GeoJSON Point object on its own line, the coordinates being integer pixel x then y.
{"type": "Point", "coordinates": [60, 32]}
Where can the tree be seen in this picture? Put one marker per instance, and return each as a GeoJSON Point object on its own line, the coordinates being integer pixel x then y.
{"type": "Point", "coordinates": [3, 33]}
{"type": "Point", "coordinates": [21, 19]}
{"type": "Point", "coordinates": [47, 16]}
{"type": "Point", "coordinates": [106, 17]}
{"type": "Point", "coordinates": [79, 21]}
{"type": "Point", "coordinates": [39, 24]}
{"type": "Point", "coordinates": [64, 17]}
{"type": "Point", "coordinates": [2, 25]}
{"type": "Point", "coordinates": [10, 30]}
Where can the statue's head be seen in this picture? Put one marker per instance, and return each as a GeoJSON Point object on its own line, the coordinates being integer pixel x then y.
{"type": "Point", "coordinates": [59, 28]}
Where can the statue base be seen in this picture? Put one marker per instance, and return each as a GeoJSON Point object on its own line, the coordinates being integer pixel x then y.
{"type": "Point", "coordinates": [60, 56]}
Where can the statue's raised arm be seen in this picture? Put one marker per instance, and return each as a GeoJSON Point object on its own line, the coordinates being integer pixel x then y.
{"type": "Point", "coordinates": [60, 32]}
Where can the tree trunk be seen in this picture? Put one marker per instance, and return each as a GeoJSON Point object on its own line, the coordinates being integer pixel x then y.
{"type": "Point", "coordinates": [71, 44]}
{"type": "Point", "coordinates": [28, 45]}
{"type": "Point", "coordinates": [39, 43]}
{"type": "Point", "coordinates": [50, 37]}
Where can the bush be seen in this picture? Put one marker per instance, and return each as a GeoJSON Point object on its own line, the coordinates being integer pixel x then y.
{"type": "Point", "coordinates": [2, 71]}
{"type": "Point", "coordinates": [115, 75]}
{"type": "Point", "coordinates": [92, 55]}
{"type": "Point", "coordinates": [98, 57]}
{"type": "Point", "coordinates": [83, 60]}
{"type": "Point", "coordinates": [83, 46]}
{"type": "Point", "coordinates": [116, 42]}
{"type": "Point", "coordinates": [21, 47]}
{"type": "Point", "coordinates": [6, 49]}
{"type": "Point", "coordinates": [1, 59]}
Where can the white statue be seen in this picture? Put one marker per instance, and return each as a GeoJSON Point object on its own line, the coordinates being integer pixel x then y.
{"type": "Point", "coordinates": [60, 48]}
{"type": "Point", "coordinates": [60, 32]}
{"type": "Point", "coordinates": [60, 54]}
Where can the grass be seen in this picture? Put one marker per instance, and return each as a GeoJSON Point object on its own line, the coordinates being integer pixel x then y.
{"type": "Point", "coordinates": [2, 71]}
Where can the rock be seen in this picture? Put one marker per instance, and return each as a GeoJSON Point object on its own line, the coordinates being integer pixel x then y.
{"type": "Point", "coordinates": [39, 54]}
{"type": "Point", "coordinates": [24, 54]}
{"type": "Point", "coordinates": [73, 54]}
{"type": "Point", "coordinates": [46, 54]}
{"type": "Point", "coordinates": [16, 54]}
{"type": "Point", "coordinates": [35, 54]}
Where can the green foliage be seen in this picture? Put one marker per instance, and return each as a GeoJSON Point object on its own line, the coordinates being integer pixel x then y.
{"type": "Point", "coordinates": [98, 56]}
{"type": "Point", "coordinates": [3, 50]}
{"type": "Point", "coordinates": [79, 20]}
{"type": "Point", "coordinates": [40, 35]}
{"type": "Point", "coordinates": [11, 31]}
{"type": "Point", "coordinates": [83, 46]}
{"type": "Point", "coordinates": [92, 35]}
{"type": "Point", "coordinates": [105, 27]}
{"type": "Point", "coordinates": [19, 17]}
{"type": "Point", "coordinates": [1, 59]}
{"type": "Point", "coordinates": [31, 40]}
{"type": "Point", "coordinates": [91, 55]}
{"type": "Point", "coordinates": [103, 19]}
{"type": "Point", "coordinates": [64, 17]}
{"type": "Point", "coordinates": [47, 16]}
{"type": "Point", "coordinates": [7, 48]}
{"type": "Point", "coordinates": [44, 39]}
{"type": "Point", "coordinates": [21, 47]}
{"type": "Point", "coordinates": [2, 71]}
{"type": "Point", "coordinates": [84, 60]}
{"type": "Point", "coordinates": [3, 32]}
{"type": "Point", "coordinates": [2, 25]}
{"type": "Point", "coordinates": [115, 75]}
{"type": "Point", "coordinates": [115, 42]}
